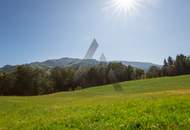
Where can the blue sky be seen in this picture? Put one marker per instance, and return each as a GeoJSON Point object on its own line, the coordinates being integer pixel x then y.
{"type": "Point", "coordinates": [37, 30]}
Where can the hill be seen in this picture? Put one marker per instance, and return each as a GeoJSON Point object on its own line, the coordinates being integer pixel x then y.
{"type": "Point", "coordinates": [74, 62]}
{"type": "Point", "coordinates": [161, 103]}
{"type": "Point", "coordinates": [142, 65]}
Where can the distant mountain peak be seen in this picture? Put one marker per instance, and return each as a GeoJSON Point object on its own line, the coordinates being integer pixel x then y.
{"type": "Point", "coordinates": [75, 62]}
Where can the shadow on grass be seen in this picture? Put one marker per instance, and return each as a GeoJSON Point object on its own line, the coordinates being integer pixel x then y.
{"type": "Point", "coordinates": [117, 87]}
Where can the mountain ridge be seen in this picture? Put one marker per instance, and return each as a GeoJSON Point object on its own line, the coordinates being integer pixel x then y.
{"type": "Point", "coordinates": [76, 62]}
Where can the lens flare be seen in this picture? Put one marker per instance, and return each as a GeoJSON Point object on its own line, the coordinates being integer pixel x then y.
{"type": "Point", "coordinates": [128, 7]}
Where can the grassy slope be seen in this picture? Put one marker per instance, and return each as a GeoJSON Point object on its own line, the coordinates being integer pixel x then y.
{"type": "Point", "coordinates": [162, 103]}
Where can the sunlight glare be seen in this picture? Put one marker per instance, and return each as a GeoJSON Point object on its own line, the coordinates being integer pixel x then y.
{"type": "Point", "coordinates": [127, 7]}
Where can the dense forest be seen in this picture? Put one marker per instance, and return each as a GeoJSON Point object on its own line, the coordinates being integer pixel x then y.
{"type": "Point", "coordinates": [172, 67]}
{"type": "Point", "coordinates": [26, 80]}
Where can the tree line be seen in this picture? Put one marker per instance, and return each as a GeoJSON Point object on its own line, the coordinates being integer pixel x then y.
{"type": "Point", "coordinates": [172, 67]}
{"type": "Point", "coordinates": [26, 80]}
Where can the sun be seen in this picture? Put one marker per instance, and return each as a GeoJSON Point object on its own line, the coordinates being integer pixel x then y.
{"type": "Point", "coordinates": [128, 7]}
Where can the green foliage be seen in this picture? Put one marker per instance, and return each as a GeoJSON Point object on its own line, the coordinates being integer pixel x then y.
{"type": "Point", "coordinates": [179, 66]}
{"type": "Point", "coordinates": [182, 64]}
{"type": "Point", "coordinates": [63, 79]}
{"type": "Point", "coordinates": [160, 104]}
{"type": "Point", "coordinates": [153, 72]}
{"type": "Point", "coordinates": [25, 81]}
{"type": "Point", "coordinates": [6, 84]}
{"type": "Point", "coordinates": [29, 81]}
{"type": "Point", "coordinates": [170, 61]}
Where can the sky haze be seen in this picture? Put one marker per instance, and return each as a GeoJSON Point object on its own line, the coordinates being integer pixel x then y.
{"type": "Point", "coordinates": [37, 30]}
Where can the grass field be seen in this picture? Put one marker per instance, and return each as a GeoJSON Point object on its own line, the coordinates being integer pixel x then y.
{"type": "Point", "coordinates": [162, 103]}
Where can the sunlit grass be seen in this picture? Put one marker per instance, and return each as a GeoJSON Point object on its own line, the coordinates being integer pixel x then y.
{"type": "Point", "coordinates": [161, 103]}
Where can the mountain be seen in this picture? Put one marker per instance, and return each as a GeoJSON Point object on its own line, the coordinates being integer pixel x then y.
{"type": "Point", "coordinates": [143, 65]}
{"type": "Point", "coordinates": [74, 62]}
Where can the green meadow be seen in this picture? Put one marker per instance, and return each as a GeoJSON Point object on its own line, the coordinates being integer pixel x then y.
{"type": "Point", "coordinates": [160, 103]}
